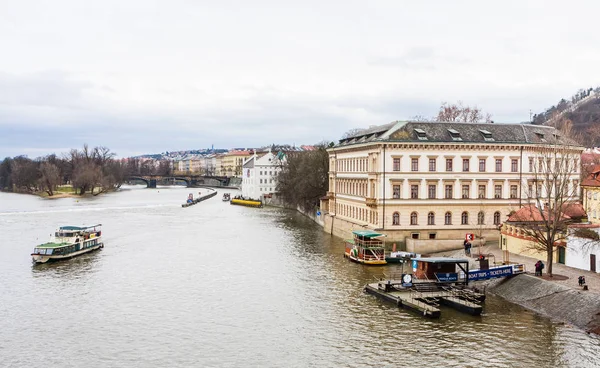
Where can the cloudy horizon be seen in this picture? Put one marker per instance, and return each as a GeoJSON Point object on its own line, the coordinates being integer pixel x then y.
{"type": "Point", "coordinates": [153, 76]}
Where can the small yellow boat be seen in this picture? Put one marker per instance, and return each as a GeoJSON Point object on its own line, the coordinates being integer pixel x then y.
{"type": "Point", "coordinates": [246, 202]}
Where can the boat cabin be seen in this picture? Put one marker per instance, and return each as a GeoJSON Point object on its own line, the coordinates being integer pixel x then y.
{"type": "Point", "coordinates": [72, 234]}
{"type": "Point", "coordinates": [441, 269]}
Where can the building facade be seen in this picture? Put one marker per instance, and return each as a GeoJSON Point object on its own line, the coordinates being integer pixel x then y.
{"type": "Point", "coordinates": [260, 175]}
{"type": "Point", "coordinates": [591, 194]}
{"type": "Point", "coordinates": [433, 180]}
{"type": "Point", "coordinates": [232, 162]}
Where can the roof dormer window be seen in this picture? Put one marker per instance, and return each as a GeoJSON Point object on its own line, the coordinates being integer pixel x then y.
{"type": "Point", "coordinates": [455, 135]}
{"type": "Point", "coordinates": [487, 136]}
{"type": "Point", "coordinates": [541, 136]}
{"type": "Point", "coordinates": [421, 135]}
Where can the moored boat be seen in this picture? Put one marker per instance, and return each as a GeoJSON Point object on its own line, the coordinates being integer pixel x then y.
{"type": "Point", "coordinates": [366, 247]}
{"type": "Point", "coordinates": [226, 197]}
{"type": "Point", "coordinates": [69, 242]}
{"type": "Point", "coordinates": [249, 202]}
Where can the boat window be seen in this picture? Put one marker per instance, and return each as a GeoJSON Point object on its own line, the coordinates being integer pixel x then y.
{"type": "Point", "coordinates": [48, 251]}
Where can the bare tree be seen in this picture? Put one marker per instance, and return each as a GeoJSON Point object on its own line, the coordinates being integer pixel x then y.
{"type": "Point", "coordinates": [50, 177]}
{"type": "Point", "coordinates": [464, 114]}
{"type": "Point", "coordinates": [552, 195]}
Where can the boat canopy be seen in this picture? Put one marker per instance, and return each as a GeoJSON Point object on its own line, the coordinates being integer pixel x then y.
{"type": "Point", "coordinates": [77, 228]}
{"type": "Point", "coordinates": [439, 260]}
{"type": "Point", "coordinates": [367, 233]}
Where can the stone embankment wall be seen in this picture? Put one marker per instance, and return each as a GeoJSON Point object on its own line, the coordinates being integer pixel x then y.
{"type": "Point", "coordinates": [576, 307]}
{"type": "Point", "coordinates": [276, 201]}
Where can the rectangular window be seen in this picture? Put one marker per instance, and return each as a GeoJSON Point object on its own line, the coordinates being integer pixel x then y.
{"type": "Point", "coordinates": [414, 235]}
{"type": "Point", "coordinates": [497, 191]}
{"type": "Point", "coordinates": [481, 192]}
{"type": "Point", "coordinates": [414, 164]}
{"type": "Point", "coordinates": [260, 173]}
{"type": "Point", "coordinates": [396, 164]}
{"type": "Point", "coordinates": [482, 164]}
{"type": "Point", "coordinates": [261, 181]}
{"type": "Point", "coordinates": [530, 164]}
{"type": "Point", "coordinates": [513, 191]}
{"type": "Point", "coordinates": [465, 191]}
{"type": "Point", "coordinates": [465, 164]}
{"type": "Point", "coordinates": [396, 191]}
{"type": "Point", "coordinates": [432, 164]}
{"type": "Point", "coordinates": [448, 164]}
{"type": "Point", "coordinates": [448, 192]}
{"type": "Point", "coordinates": [498, 165]}
{"type": "Point", "coordinates": [431, 192]}
{"type": "Point", "coordinates": [514, 165]}
{"type": "Point", "coordinates": [414, 191]}
{"type": "Point", "coordinates": [431, 235]}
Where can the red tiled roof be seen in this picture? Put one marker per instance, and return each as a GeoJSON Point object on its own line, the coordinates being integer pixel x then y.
{"type": "Point", "coordinates": [592, 180]}
{"type": "Point", "coordinates": [532, 213]}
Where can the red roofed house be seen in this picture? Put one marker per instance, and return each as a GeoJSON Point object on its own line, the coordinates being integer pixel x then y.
{"type": "Point", "coordinates": [513, 233]}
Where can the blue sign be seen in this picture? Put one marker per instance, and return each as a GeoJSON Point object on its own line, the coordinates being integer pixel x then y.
{"type": "Point", "coordinates": [414, 264]}
{"type": "Point", "coordinates": [491, 273]}
{"type": "Point", "coordinates": [448, 276]}
{"type": "Point", "coordinates": [318, 213]}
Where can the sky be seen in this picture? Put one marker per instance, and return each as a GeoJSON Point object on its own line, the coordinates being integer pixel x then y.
{"type": "Point", "coordinates": [144, 76]}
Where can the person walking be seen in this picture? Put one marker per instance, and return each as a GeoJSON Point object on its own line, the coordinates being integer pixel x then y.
{"type": "Point", "coordinates": [541, 267]}
{"type": "Point", "coordinates": [537, 268]}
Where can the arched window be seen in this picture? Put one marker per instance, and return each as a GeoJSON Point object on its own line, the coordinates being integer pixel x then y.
{"type": "Point", "coordinates": [448, 218]}
{"type": "Point", "coordinates": [396, 218]}
{"type": "Point", "coordinates": [480, 218]}
{"type": "Point", "coordinates": [464, 218]}
{"type": "Point", "coordinates": [431, 218]}
{"type": "Point", "coordinates": [413, 218]}
{"type": "Point", "coordinates": [496, 218]}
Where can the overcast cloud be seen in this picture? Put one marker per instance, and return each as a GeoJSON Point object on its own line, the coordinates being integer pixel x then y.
{"type": "Point", "coordinates": [142, 76]}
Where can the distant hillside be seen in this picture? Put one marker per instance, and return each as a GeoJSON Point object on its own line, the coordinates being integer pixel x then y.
{"type": "Point", "coordinates": [582, 111]}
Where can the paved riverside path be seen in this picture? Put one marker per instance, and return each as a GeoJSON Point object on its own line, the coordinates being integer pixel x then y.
{"type": "Point", "coordinates": [563, 275]}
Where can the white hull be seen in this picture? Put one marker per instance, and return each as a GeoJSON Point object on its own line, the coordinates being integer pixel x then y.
{"type": "Point", "coordinates": [41, 258]}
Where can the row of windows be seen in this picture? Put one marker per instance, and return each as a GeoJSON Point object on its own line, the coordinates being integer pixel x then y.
{"type": "Point", "coordinates": [270, 172]}
{"type": "Point", "coordinates": [269, 181]}
{"type": "Point", "coordinates": [449, 191]}
{"type": "Point", "coordinates": [352, 187]}
{"type": "Point", "coordinates": [361, 214]}
{"type": "Point", "coordinates": [561, 164]}
{"type": "Point", "coordinates": [352, 164]}
{"type": "Point", "coordinates": [464, 218]}
{"type": "Point", "coordinates": [466, 162]}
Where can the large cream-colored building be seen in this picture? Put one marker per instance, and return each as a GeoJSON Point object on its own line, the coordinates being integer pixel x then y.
{"type": "Point", "coordinates": [232, 162]}
{"type": "Point", "coordinates": [433, 180]}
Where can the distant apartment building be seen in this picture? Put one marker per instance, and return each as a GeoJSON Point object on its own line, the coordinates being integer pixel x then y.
{"type": "Point", "coordinates": [260, 174]}
{"type": "Point", "coordinates": [433, 180]}
{"type": "Point", "coordinates": [233, 161]}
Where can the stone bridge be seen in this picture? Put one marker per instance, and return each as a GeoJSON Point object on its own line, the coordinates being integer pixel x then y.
{"type": "Point", "coordinates": [190, 180]}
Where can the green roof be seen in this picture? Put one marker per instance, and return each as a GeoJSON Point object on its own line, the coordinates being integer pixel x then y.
{"type": "Point", "coordinates": [52, 245]}
{"type": "Point", "coordinates": [78, 228]}
{"type": "Point", "coordinates": [367, 233]}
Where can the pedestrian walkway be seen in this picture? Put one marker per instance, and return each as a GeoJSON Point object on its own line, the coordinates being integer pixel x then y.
{"type": "Point", "coordinates": [564, 275]}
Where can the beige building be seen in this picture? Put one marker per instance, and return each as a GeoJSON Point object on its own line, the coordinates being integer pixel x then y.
{"type": "Point", "coordinates": [433, 181]}
{"type": "Point", "coordinates": [232, 162]}
{"type": "Point", "coordinates": [591, 195]}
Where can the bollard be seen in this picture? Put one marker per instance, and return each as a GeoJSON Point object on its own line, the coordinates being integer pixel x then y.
{"type": "Point", "coordinates": [585, 287]}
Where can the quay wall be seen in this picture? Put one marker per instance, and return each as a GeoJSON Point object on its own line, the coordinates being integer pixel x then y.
{"type": "Point", "coordinates": [275, 201]}
{"type": "Point", "coordinates": [576, 307]}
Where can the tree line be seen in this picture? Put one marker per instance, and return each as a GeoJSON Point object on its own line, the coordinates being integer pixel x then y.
{"type": "Point", "coordinates": [88, 170]}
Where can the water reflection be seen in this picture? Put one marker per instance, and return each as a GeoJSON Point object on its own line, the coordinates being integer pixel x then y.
{"type": "Point", "coordinates": [222, 285]}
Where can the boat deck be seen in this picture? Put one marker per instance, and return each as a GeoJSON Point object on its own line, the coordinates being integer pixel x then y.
{"type": "Point", "coordinates": [427, 302]}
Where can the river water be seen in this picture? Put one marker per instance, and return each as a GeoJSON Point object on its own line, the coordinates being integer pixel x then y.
{"type": "Point", "coordinates": [215, 285]}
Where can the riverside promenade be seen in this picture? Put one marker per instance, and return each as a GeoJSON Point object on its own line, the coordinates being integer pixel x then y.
{"type": "Point", "coordinates": [561, 274]}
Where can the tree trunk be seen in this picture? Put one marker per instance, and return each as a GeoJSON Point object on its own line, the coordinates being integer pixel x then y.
{"type": "Point", "coordinates": [549, 258]}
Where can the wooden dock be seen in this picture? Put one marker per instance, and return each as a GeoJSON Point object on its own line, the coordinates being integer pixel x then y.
{"type": "Point", "coordinates": [428, 299]}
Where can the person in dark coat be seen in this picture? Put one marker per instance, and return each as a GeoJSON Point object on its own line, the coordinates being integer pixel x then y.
{"type": "Point", "coordinates": [538, 269]}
